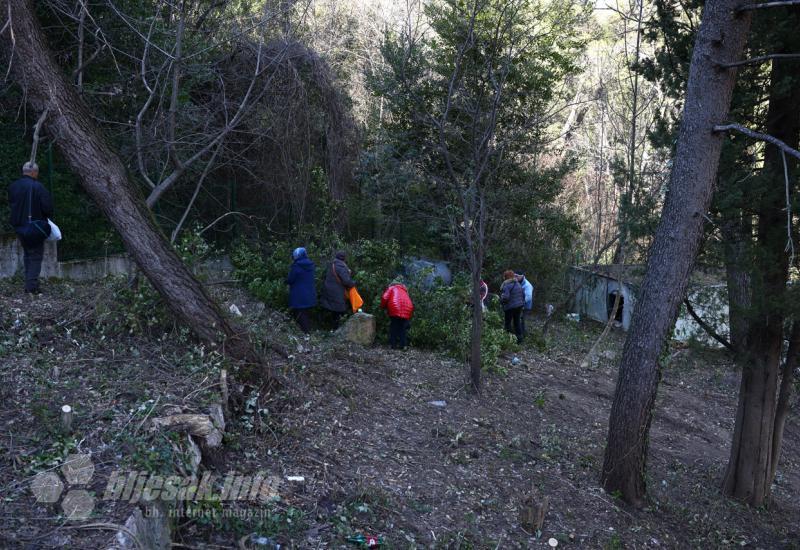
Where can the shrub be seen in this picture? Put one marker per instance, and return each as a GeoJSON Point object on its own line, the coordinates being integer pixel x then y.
{"type": "Point", "coordinates": [139, 308]}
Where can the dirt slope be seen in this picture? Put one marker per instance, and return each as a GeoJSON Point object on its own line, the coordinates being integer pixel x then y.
{"type": "Point", "coordinates": [376, 456]}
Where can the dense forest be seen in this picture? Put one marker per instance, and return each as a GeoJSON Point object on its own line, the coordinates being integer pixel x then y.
{"type": "Point", "coordinates": [479, 169]}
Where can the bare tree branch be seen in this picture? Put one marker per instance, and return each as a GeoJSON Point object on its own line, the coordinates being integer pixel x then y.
{"type": "Point", "coordinates": [760, 59]}
{"type": "Point", "coordinates": [78, 73]}
{"type": "Point", "coordinates": [10, 26]}
{"type": "Point", "coordinates": [759, 136]}
{"type": "Point", "coordinates": [225, 215]}
{"type": "Point", "coordinates": [706, 327]}
{"type": "Point", "coordinates": [81, 28]}
{"type": "Point", "coordinates": [165, 184]}
{"type": "Point", "coordinates": [140, 115]}
{"type": "Point", "coordinates": [36, 129]}
{"type": "Point", "coordinates": [200, 181]}
{"type": "Point", "coordinates": [765, 5]}
{"type": "Point", "coordinates": [176, 81]}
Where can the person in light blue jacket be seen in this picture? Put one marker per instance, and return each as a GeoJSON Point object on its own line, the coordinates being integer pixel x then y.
{"type": "Point", "coordinates": [528, 288]}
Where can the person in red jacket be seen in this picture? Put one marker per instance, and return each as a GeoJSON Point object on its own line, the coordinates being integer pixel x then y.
{"type": "Point", "coordinates": [398, 304]}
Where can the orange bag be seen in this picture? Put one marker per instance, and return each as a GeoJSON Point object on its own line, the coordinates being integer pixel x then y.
{"type": "Point", "coordinates": [355, 299]}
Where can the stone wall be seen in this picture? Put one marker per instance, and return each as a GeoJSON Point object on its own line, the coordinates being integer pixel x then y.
{"type": "Point", "coordinates": [76, 270]}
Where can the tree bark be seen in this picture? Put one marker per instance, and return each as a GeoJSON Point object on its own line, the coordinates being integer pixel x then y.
{"type": "Point", "coordinates": [476, 333]}
{"type": "Point", "coordinates": [782, 409]}
{"type": "Point", "coordinates": [753, 458]}
{"type": "Point", "coordinates": [721, 37]}
{"type": "Point", "coordinates": [105, 179]}
{"type": "Point", "coordinates": [735, 234]}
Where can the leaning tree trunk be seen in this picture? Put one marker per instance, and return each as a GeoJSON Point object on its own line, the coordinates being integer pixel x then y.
{"type": "Point", "coordinates": [752, 462]}
{"type": "Point", "coordinates": [721, 38]}
{"type": "Point", "coordinates": [104, 177]}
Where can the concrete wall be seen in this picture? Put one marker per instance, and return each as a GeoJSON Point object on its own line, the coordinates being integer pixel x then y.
{"type": "Point", "coordinates": [592, 299]}
{"type": "Point", "coordinates": [709, 302]}
{"type": "Point", "coordinates": [711, 305]}
{"type": "Point", "coordinates": [78, 270]}
{"type": "Point", "coordinates": [91, 269]}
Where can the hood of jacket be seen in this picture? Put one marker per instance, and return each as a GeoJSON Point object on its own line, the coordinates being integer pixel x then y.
{"type": "Point", "coordinates": [304, 263]}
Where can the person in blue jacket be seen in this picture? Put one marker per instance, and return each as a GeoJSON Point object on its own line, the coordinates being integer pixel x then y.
{"type": "Point", "coordinates": [527, 286]}
{"type": "Point", "coordinates": [302, 289]}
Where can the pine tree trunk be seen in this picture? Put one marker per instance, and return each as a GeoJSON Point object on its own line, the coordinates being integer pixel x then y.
{"type": "Point", "coordinates": [735, 232]}
{"type": "Point", "coordinates": [784, 394]}
{"type": "Point", "coordinates": [721, 37]}
{"type": "Point", "coordinates": [752, 462]}
{"type": "Point", "coordinates": [105, 179]}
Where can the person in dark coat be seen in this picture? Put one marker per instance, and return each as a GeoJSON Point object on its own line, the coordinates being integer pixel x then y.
{"type": "Point", "coordinates": [512, 296]}
{"type": "Point", "coordinates": [337, 281]}
{"type": "Point", "coordinates": [29, 201]}
{"type": "Point", "coordinates": [302, 292]}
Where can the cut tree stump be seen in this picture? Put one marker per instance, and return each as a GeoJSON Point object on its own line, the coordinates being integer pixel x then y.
{"type": "Point", "coordinates": [67, 416]}
{"type": "Point", "coordinates": [145, 532]}
{"type": "Point", "coordinates": [534, 509]}
{"type": "Point", "coordinates": [204, 429]}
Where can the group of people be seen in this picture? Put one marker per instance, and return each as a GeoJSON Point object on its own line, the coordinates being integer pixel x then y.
{"type": "Point", "coordinates": [334, 297]}
{"type": "Point", "coordinates": [516, 297]}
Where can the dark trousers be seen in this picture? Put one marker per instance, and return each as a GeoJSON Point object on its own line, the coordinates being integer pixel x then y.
{"type": "Point", "coordinates": [334, 318]}
{"type": "Point", "coordinates": [398, 332]}
{"type": "Point", "coordinates": [303, 319]}
{"type": "Point", "coordinates": [32, 260]}
{"type": "Point", "coordinates": [514, 315]}
{"type": "Point", "coordinates": [525, 313]}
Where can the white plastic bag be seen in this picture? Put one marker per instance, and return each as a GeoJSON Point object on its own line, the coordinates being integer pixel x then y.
{"type": "Point", "coordinates": [55, 232]}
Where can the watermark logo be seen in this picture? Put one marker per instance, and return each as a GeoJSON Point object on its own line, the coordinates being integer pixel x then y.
{"type": "Point", "coordinates": [136, 487]}
{"type": "Point", "coordinates": [133, 487]}
{"type": "Point", "coordinates": [77, 471]}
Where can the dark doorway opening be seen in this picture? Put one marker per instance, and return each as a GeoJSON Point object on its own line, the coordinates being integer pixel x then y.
{"type": "Point", "coordinates": [612, 297]}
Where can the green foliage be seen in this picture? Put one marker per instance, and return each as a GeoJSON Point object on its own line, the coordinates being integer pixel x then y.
{"type": "Point", "coordinates": [264, 274]}
{"type": "Point", "coordinates": [375, 263]}
{"type": "Point", "coordinates": [443, 321]}
{"type": "Point", "coordinates": [614, 543]}
{"type": "Point", "coordinates": [137, 307]}
{"type": "Point", "coordinates": [155, 454]}
{"type": "Point", "coordinates": [53, 456]}
{"type": "Point", "coordinates": [263, 271]}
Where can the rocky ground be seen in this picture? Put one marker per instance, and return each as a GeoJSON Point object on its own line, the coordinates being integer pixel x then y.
{"type": "Point", "coordinates": [359, 427]}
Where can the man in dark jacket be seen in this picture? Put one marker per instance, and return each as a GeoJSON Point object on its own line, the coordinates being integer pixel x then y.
{"type": "Point", "coordinates": [337, 282]}
{"type": "Point", "coordinates": [29, 201]}
{"type": "Point", "coordinates": [302, 292]}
